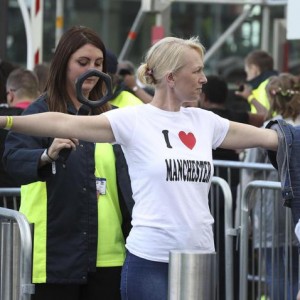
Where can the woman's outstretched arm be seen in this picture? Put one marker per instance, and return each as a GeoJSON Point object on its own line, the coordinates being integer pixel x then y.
{"type": "Point", "coordinates": [53, 124]}
{"type": "Point", "coordinates": [242, 136]}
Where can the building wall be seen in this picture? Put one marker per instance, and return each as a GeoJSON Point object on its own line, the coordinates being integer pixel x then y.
{"type": "Point", "coordinates": [112, 19]}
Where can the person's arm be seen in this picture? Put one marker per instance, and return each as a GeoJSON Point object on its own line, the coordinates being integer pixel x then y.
{"type": "Point", "coordinates": [24, 150]}
{"type": "Point", "coordinates": [52, 124]}
{"type": "Point", "coordinates": [247, 94]}
{"type": "Point", "coordinates": [260, 109]}
{"type": "Point", "coordinates": [242, 136]}
{"type": "Point", "coordinates": [130, 82]}
{"type": "Point", "coordinates": [256, 119]}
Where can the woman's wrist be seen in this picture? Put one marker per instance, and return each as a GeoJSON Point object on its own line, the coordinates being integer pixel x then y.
{"type": "Point", "coordinates": [45, 157]}
{"type": "Point", "coordinates": [9, 123]}
{"type": "Point", "coordinates": [50, 156]}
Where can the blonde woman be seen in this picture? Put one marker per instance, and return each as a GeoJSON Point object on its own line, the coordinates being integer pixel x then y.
{"type": "Point", "coordinates": [168, 149]}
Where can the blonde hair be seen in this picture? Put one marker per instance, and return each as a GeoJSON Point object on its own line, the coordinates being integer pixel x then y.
{"type": "Point", "coordinates": [167, 55]}
{"type": "Point", "coordinates": [284, 95]}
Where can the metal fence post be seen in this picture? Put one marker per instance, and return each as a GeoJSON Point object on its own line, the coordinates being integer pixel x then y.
{"type": "Point", "coordinates": [16, 256]}
{"type": "Point", "coordinates": [244, 231]}
{"type": "Point", "coordinates": [192, 275]}
{"type": "Point", "coordinates": [5, 261]}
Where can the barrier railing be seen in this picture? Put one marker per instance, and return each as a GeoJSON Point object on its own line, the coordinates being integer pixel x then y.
{"type": "Point", "coordinates": [15, 253]}
{"type": "Point", "coordinates": [10, 198]}
{"type": "Point", "coordinates": [15, 279]}
{"type": "Point", "coordinates": [26, 288]}
{"type": "Point", "coordinates": [230, 167]}
{"type": "Point", "coordinates": [258, 273]}
{"type": "Point", "coordinates": [276, 243]}
{"type": "Point", "coordinates": [230, 232]}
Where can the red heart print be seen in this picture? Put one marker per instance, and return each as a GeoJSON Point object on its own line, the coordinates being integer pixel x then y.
{"type": "Point", "coordinates": [188, 139]}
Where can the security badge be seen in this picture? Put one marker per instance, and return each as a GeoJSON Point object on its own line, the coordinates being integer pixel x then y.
{"type": "Point", "coordinates": [101, 186]}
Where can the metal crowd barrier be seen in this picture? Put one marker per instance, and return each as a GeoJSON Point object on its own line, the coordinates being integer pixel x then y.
{"type": "Point", "coordinates": [257, 274]}
{"type": "Point", "coordinates": [192, 274]}
{"type": "Point", "coordinates": [16, 256]}
{"type": "Point", "coordinates": [15, 252]}
{"type": "Point", "coordinates": [219, 186]}
{"type": "Point", "coordinates": [230, 166]}
{"type": "Point", "coordinates": [253, 282]}
{"type": "Point", "coordinates": [10, 198]}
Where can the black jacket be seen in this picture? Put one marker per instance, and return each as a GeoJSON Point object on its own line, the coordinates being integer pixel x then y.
{"type": "Point", "coordinates": [71, 233]}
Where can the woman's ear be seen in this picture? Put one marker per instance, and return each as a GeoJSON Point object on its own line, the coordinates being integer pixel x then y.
{"type": "Point", "coordinates": [170, 79]}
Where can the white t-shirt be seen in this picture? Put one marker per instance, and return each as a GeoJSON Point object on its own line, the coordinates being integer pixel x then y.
{"type": "Point", "coordinates": [169, 157]}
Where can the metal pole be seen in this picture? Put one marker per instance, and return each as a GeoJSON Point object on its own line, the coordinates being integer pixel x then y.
{"type": "Point", "coordinates": [222, 39]}
{"type": "Point", "coordinates": [230, 232]}
{"type": "Point", "coordinates": [132, 34]}
{"type": "Point", "coordinates": [279, 40]}
{"type": "Point", "coordinates": [37, 15]}
{"type": "Point", "coordinates": [59, 24]}
{"type": "Point", "coordinates": [27, 24]}
{"type": "Point", "coordinates": [192, 275]}
{"type": "Point", "coordinates": [25, 262]}
{"type": "Point", "coordinates": [5, 261]}
{"type": "Point", "coordinates": [16, 266]}
{"type": "Point", "coordinates": [244, 231]}
{"type": "Point", "coordinates": [265, 28]}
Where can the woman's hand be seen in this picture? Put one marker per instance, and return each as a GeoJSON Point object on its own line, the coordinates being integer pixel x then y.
{"type": "Point", "coordinates": [52, 153]}
{"type": "Point", "coordinates": [59, 144]}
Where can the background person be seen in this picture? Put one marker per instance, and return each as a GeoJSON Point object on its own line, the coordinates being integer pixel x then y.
{"type": "Point", "coordinates": [259, 66]}
{"type": "Point", "coordinates": [22, 88]}
{"type": "Point", "coordinates": [171, 202]}
{"type": "Point", "coordinates": [79, 214]}
{"type": "Point", "coordinates": [127, 74]}
{"type": "Point", "coordinates": [121, 96]}
{"type": "Point", "coordinates": [21, 91]}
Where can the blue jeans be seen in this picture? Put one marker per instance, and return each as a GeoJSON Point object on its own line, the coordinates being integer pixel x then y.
{"type": "Point", "coordinates": [144, 279]}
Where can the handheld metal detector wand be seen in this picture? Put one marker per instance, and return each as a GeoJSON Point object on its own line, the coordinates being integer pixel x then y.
{"type": "Point", "coordinates": [87, 104]}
